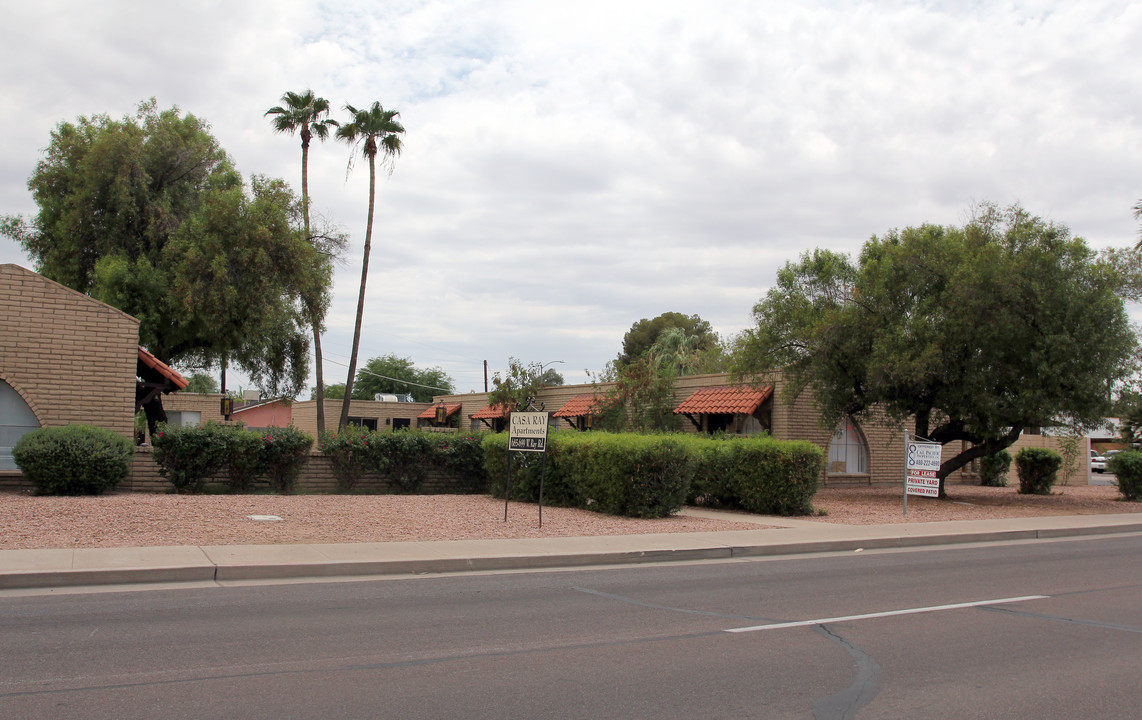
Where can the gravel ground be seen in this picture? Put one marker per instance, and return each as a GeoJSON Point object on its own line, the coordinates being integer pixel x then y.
{"type": "Point", "coordinates": [126, 520]}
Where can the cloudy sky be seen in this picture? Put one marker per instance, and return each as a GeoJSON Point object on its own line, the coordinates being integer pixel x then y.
{"type": "Point", "coordinates": [570, 168]}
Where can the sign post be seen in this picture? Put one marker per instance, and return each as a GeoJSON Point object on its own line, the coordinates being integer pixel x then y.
{"type": "Point", "coordinates": [527, 432]}
{"type": "Point", "coordinates": [922, 465]}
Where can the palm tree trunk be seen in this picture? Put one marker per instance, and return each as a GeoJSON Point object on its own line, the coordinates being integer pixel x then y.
{"type": "Point", "coordinates": [319, 394]}
{"type": "Point", "coordinates": [361, 296]}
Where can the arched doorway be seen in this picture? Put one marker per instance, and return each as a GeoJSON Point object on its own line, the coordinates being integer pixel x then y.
{"type": "Point", "coordinates": [16, 420]}
{"type": "Point", "coordinates": [848, 451]}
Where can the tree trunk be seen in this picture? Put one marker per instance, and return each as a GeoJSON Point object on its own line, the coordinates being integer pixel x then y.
{"type": "Point", "coordinates": [319, 394]}
{"type": "Point", "coordinates": [361, 296]}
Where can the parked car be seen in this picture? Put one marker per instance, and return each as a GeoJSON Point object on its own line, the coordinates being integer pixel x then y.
{"type": "Point", "coordinates": [1097, 462]}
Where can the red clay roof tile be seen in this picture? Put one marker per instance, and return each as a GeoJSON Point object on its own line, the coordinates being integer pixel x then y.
{"type": "Point", "coordinates": [579, 406]}
{"type": "Point", "coordinates": [490, 413]}
{"type": "Point", "coordinates": [720, 400]}
{"type": "Point", "coordinates": [430, 413]}
{"type": "Point", "coordinates": [162, 369]}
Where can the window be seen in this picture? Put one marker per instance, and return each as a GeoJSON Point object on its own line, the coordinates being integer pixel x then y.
{"type": "Point", "coordinates": [367, 423]}
{"type": "Point", "coordinates": [184, 418]}
{"type": "Point", "coordinates": [848, 453]}
{"type": "Point", "coordinates": [401, 423]}
{"type": "Point", "coordinates": [16, 420]}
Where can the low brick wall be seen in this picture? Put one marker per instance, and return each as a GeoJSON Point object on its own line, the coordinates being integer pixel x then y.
{"type": "Point", "coordinates": [316, 477]}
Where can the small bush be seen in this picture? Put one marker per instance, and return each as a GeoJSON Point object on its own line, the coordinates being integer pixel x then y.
{"type": "Point", "coordinates": [993, 469]}
{"type": "Point", "coordinates": [403, 455]}
{"type": "Point", "coordinates": [73, 459]}
{"type": "Point", "coordinates": [285, 452]}
{"type": "Point", "coordinates": [463, 455]}
{"type": "Point", "coordinates": [1038, 469]}
{"type": "Point", "coordinates": [349, 454]}
{"type": "Point", "coordinates": [245, 457]}
{"type": "Point", "coordinates": [187, 456]}
{"type": "Point", "coordinates": [1127, 467]}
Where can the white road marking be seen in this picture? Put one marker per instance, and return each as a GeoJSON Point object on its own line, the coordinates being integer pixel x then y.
{"type": "Point", "coordinates": [890, 613]}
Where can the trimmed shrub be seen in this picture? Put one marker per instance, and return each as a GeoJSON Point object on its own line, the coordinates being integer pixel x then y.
{"type": "Point", "coordinates": [757, 474]}
{"type": "Point", "coordinates": [349, 454]}
{"type": "Point", "coordinates": [245, 457]}
{"type": "Point", "coordinates": [285, 452]}
{"type": "Point", "coordinates": [463, 455]}
{"type": "Point", "coordinates": [186, 456]}
{"type": "Point", "coordinates": [403, 455]}
{"type": "Point", "coordinates": [1038, 469]}
{"type": "Point", "coordinates": [1127, 467]}
{"type": "Point", "coordinates": [73, 459]}
{"type": "Point", "coordinates": [993, 469]}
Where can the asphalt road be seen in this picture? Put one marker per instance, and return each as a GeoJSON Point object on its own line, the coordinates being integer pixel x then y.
{"type": "Point", "coordinates": [1043, 629]}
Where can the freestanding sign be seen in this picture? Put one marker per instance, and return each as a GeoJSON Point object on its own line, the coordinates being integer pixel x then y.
{"type": "Point", "coordinates": [922, 463]}
{"type": "Point", "coordinates": [527, 432]}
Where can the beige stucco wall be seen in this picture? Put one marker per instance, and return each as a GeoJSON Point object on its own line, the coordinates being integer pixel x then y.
{"type": "Point", "coordinates": [71, 358]}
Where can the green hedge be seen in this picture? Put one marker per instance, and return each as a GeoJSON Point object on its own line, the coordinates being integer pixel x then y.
{"type": "Point", "coordinates": [757, 474]}
{"type": "Point", "coordinates": [1038, 469]}
{"type": "Point", "coordinates": [404, 456]}
{"type": "Point", "coordinates": [188, 456]}
{"type": "Point", "coordinates": [654, 475]}
{"type": "Point", "coordinates": [73, 459]}
{"type": "Point", "coordinates": [1127, 467]}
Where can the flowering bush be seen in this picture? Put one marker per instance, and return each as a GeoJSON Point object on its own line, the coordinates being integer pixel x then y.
{"type": "Point", "coordinates": [186, 456]}
{"type": "Point", "coordinates": [285, 451]}
{"type": "Point", "coordinates": [463, 455]}
{"type": "Point", "coordinates": [404, 455]}
{"type": "Point", "coordinates": [349, 452]}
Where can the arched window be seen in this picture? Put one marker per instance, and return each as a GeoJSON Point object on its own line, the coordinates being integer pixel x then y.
{"type": "Point", "coordinates": [848, 452]}
{"type": "Point", "coordinates": [16, 420]}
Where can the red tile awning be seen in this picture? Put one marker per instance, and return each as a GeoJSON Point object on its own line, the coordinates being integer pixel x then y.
{"type": "Point", "coordinates": [156, 366]}
{"type": "Point", "coordinates": [724, 400]}
{"type": "Point", "coordinates": [450, 410]}
{"type": "Point", "coordinates": [491, 412]}
{"type": "Point", "coordinates": [579, 406]}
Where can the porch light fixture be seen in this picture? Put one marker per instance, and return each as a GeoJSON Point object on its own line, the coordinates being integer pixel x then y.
{"type": "Point", "coordinates": [441, 413]}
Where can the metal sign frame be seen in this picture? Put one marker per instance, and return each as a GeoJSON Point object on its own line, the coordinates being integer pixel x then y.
{"type": "Point", "coordinates": [527, 432]}
{"type": "Point", "coordinates": [921, 467]}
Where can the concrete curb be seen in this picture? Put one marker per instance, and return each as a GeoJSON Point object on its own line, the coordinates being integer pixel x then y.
{"type": "Point", "coordinates": [213, 571]}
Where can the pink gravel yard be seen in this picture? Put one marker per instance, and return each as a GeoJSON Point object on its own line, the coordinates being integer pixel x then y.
{"type": "Point", "coordinates": [139, 520]}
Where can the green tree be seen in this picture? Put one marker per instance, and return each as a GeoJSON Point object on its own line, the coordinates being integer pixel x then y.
{"type": "Point", "coordinates": [393, 374]}
{"type": "Point", "coordinates": [518, 387]}
{"type": "Point", "coordinates": [308, 115]}
{"type": "Point", "coordinates": [644, 333]}
{"type": "Point", "coordinates": [201, 383]}
{"type": "Point", "coordinates": [641, 398]}
{"type": "Point", "coordinates": [336, 391]}
{"type": "Point", "coordinates": [148, 214]}
{"type": "Point", "coordinates": [379, 132]}
{"type": "Point", "coordinates": [974, 332]}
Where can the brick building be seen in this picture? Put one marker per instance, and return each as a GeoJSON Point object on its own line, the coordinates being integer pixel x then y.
{"type": "Point", "coordinates": [64, 359]}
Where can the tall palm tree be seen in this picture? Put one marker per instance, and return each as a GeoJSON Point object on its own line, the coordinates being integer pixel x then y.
{"type": "Point", "coordinates": [308, 115]}
{"type": "Point", "coordinates": [380, 132]}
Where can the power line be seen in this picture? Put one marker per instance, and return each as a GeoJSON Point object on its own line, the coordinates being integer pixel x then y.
{"type": "Point", "coordinates": [386, 377]}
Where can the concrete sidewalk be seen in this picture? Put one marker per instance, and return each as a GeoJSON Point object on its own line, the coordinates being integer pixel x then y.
{"type": "Point", "coordinates": [219, 564]}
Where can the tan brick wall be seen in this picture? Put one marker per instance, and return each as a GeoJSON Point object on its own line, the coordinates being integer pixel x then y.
{"type": "Point", "coordinates": [209, 404]}
{"type": "Point", "coordinates": [71, 358]}
{"type": "Point", "coordinates": [305, 413]}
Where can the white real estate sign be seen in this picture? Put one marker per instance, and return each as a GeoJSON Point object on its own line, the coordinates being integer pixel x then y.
{"type": "Point", "coordinates": [922, 464]}
{"type": "Point", "coordinates": [528, 431]}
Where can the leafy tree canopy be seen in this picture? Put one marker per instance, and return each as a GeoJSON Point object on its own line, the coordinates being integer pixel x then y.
{"type": "Point", "coordinates": [516, 389]}
{"type": "Point", "coordinates": [148, 214]}
{"type": "Point", "coordinates": [201, 383]}
{"type": "Point", "coordinates": [976, 332]}
{"type": "Point", "coordinates": [643, 334]}
{"type": "Point", "coordinates": [391, 374]}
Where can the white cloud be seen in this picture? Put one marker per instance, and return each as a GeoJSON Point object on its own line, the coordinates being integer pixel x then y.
{"type": "Point", "coordinates": [569, 169]}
